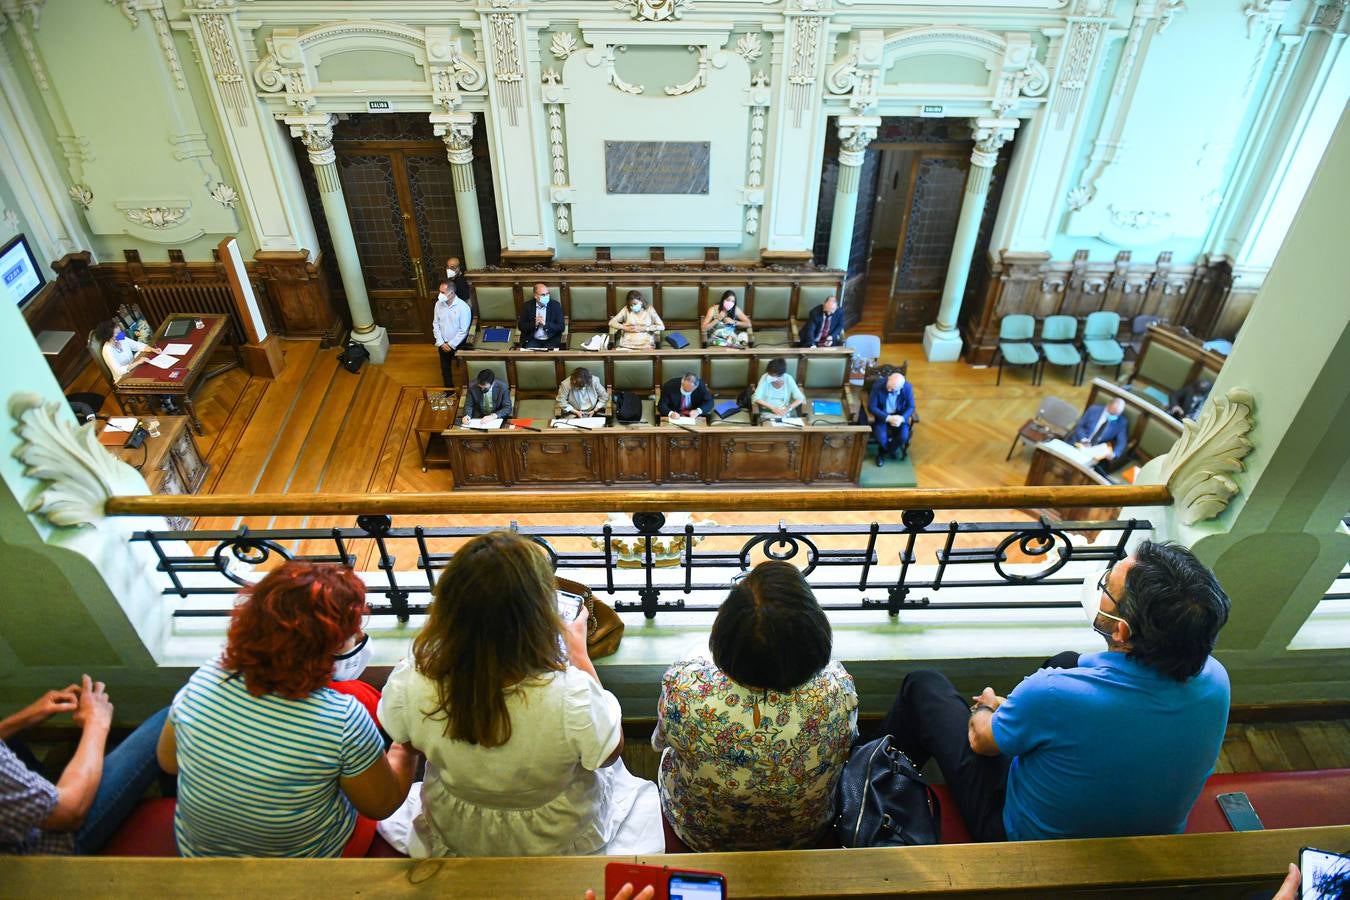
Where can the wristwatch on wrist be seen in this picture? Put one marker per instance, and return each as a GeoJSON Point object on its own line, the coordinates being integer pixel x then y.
{"type": "Point", "coordinates": [979, 706]}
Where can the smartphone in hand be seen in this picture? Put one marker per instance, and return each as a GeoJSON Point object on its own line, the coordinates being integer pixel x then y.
{"type": "Point", "coordinates": [668, 883]}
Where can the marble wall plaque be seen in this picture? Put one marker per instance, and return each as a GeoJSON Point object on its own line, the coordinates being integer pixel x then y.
{"type": "Point", "coordinates": [657, 167]}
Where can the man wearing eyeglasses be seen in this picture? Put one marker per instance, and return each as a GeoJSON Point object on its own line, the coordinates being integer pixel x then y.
{"type": "Point", "coordinates": [1105, 744]}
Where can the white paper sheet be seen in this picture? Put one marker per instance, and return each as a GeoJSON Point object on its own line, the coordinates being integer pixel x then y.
{"type": "Point", "coordinates": [788, 422]}
{"type": "Point", "coordinates": [490, 424]}
{"type": "Point", "coordinates": [684, 420]}
{"type": "Point", "coordinates": [163, 361]}
{"type": "Point", "coordinates": [178, 349]}
{"type": "Point", "coordinates": [588, 422]}
{"type": "Point", "coordinates": [122, 423]}
{"type": "Point", "coordinates": [1084, 457]}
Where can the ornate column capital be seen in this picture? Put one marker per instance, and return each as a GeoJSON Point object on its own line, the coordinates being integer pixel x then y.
{"type": "Point", "coordinates": [855, 133]}
{"type": "Point", "coordinates": [990, 135]}
{"type": "Point", "coordinates": [456, 130]}
{"type": "Point", "coordinates": [316, 133]}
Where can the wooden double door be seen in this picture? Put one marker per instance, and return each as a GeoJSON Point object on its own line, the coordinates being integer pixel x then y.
{"type": "Point", "coordinates": [400, 197]}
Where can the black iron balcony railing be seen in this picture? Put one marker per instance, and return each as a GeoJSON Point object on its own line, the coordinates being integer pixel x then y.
{"type": "Point", "coordinates": [901, 561]}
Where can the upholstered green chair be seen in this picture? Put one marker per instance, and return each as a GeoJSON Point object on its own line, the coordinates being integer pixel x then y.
{"type": "Point", "coordinates": [496, 309]}
{"type": "Point", "coordinates": [680, 303]}
{"type": "Point", "coordinates": [773, 326]}
{"type": "Point", "coordinates": [1058, 334]}
{"type": "Point", "coordinates": [637, 375]}
{"type": "Point", "coordinates": [589, 313]}
{"type": "Point", "coordinates": [1099, 342]}
{"type": "Point", "coordinates": [1015, 346]}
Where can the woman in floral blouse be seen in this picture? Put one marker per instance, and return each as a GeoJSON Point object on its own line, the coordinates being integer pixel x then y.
{"type": "Point", "coordinates": [753, 740]}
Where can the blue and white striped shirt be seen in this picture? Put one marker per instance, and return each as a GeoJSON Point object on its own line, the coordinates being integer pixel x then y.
{"type": "Point", "coordinates": [258, 776]}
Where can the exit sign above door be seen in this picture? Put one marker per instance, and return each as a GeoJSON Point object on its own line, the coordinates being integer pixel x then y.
{"type": "Point", "coordinates": [386, 106]}
{"type": "Point", "coordinates": [931, 110]}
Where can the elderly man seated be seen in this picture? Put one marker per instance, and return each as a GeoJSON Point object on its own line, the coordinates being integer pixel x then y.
{"type": "Point", "coordinates": [891, 406]}
{"type": "Point", "coordinates": [1103, 431]}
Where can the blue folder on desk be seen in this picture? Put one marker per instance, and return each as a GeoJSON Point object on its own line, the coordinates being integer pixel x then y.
{"type": "Point", "coordinates": [496, 335]}
{"type": "Point", "coordinates": [727, 408]}
{"type": "Point", "coordinates": [827, 407]}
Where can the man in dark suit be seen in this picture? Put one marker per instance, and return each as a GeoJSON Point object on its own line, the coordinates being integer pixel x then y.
{"type": "Point", "coordinates": [541, 321]}
{"type": "Point", "coordinates": [1103, 430]}
{"type": "Point", "coordinates": [454, 273]}
{"type": "Point", "coordinates": [685, 396]}
{"type": "Point", "coordinates": [891, 406]}
{"type": "Point", "coordinates": [488, 398]}
{"type": "Point", "coordinates": [824, 325]}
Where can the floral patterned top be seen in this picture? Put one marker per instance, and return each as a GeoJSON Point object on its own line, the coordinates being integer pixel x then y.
{"type": "Point", "coordinates": [744, 769]}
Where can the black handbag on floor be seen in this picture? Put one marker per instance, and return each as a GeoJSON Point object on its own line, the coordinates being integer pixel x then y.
{"type": "Point", "coordinates": [883, 801]}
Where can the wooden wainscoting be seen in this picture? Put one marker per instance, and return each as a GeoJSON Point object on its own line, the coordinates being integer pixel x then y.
{"type": "Point", "coordinates": [1210, 298]}
{"type": "Point", "coordinates": [73, 302]}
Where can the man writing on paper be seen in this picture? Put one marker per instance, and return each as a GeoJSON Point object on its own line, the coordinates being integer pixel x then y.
{"type": "Point", "coordinates": [685, 396]}
{"type": "Point", "coordinates": [1103, 431]}
{"type": "Point", "coordinates": [450, 322]}
{"type": "Point", "coordinates": [488, 399]}
{"type": "Point", "coordinates": [582, 394]}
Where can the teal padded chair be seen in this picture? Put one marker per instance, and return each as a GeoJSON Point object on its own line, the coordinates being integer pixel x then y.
{"type": "Point", "coordinates": [1058, 335]}
{"type": "Point", "coordinates": [588, 313]}
{"type": "Point", "coordinates": [1015, 346]}
{"type": "Point", "coordinates": [1099, 342]}
{"type": "Point", "coordinates": [496, 309]}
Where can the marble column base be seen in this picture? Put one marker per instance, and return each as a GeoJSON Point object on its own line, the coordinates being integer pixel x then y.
{"type": "Point", "coordinates": [376, 343]}
{"type": "Point", "coordinates": [941, 346]}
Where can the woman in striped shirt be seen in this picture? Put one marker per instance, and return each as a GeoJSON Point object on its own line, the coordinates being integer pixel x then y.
{"type": "Point", "coordinates": [271, 761]}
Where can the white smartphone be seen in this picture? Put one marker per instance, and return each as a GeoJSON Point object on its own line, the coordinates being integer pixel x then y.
{"type": "Point", "coordinates": [1325, 874]}
{"type": "Point", "coordinates": [569, 606]}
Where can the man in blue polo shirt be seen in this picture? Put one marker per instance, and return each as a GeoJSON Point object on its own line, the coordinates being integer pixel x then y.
{"type": "Point", "coordinates": [1098, 745]}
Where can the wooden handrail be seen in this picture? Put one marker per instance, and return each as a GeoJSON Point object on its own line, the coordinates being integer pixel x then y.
{"type": "Point", "coordinates": [648, 500]}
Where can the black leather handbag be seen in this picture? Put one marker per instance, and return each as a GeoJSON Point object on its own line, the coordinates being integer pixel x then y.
{"type": "Point", "coordinates": [883, 801]}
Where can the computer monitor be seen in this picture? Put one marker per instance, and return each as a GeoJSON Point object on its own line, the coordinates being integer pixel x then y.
{"type": "Point", "coordinates": [20, 275]}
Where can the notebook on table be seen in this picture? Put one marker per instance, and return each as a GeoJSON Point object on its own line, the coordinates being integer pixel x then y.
{"type": "Point", "coordinates": [827, 407]}
{"type": "Point", "coordinates": [496, 335]}
{"type": "Point", "coordinates": [177, 328]}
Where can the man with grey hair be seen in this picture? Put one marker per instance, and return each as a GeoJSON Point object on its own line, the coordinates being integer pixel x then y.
{"type": "Point", "coordinates": [824, 325]}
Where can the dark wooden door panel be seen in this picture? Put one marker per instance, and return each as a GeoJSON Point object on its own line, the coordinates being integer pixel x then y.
{"type": "Point", "coordinates": [927, 229]}
{"type": "Point", "coordinates": [633, 459]}
{"type": "Point", "coordinates": [771, 458]}
{"type": "Point", "coordinates": [557, 459]}
{"type": "Point", "coordinates": [834, 457]}
{"type": "Point", "coordinates": [683, 458]}
{"type": "Point", "coordinates": [475, 462]}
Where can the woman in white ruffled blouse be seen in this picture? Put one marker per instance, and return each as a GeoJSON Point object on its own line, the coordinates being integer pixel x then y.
{"type": "Point", "coordinates": [522, 743]}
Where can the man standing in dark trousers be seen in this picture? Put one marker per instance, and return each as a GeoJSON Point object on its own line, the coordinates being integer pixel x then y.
{"type": "Point", "coordinates": [449, 327]}
{"type": "Point", "coordinates": [1110, 744]}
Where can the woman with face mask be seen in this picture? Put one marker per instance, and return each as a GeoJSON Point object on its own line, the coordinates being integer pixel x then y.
{"type": "Point", "coordinates": [637, 323]}
{"type": "Point", "coordinates": [120, 352]}
{"type": "Point", "coordinates": [725, 324]}
{"type": "Point", "coordinates": [274, 750]}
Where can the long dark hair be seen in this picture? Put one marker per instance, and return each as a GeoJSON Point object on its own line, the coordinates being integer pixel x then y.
{"type": "Point", "coordinates": [493, 623]}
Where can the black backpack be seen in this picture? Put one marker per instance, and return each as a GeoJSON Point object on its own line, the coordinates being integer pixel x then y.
{"type": "Point", "coordinates": [627, 407]}
{"type": "Point", "coordinates": [353, 357]}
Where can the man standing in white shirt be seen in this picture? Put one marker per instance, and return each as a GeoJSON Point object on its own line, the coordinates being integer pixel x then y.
{"type": "Point", "coordinates": [449, 327]}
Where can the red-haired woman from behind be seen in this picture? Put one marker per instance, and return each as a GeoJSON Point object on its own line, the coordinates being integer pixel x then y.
{"type": "Point", "coordinates": [272, 761]}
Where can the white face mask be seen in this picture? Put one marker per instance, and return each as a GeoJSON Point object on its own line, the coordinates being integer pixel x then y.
{"type": "Point", "coordinates": [1090, 596]}
{"type": "Point", "coordinates": [542, 299]}
{"type": "Point", "coordinates": [635, 307]}
{"type": "Point", "coordinates": [349, 666]}
{"type": "Point", "coordinates": [443, 295]}
{"type": "Point", "coordinates": [450, 273]}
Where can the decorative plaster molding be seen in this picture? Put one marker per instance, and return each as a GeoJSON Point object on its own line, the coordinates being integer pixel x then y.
{"type": "Point", "coordinates": [990, 135]}
{"type": "Point", "coordinates": [655, 10]}
{"type": "Point", "coordinates": [860, 71]}
{"type": "Point", "coordinates": [225, 195]}
{"type": "Point", "coordinates": [11, 220]}
{"type": "Point", "coordinates": [508, 63]}
{"type": "Point", "coordinates": [1265, 15]}
{"type": "Point", "coordinates": [803, 70]}
{"type": "Point", "coordinates": [157, 217]}
{"type": "Point", "coordinates": [224, 64]}
{"type": "Point", "coordinates": [1328, 15]}
{"type": "Point", "coordinates": [1080, 47]}
{"type": "Point", "coordinates": [1169, 9]}
{"type": "Point", "coordinates": [855, 133]}
{"type": "Point", "coordinates": [1197, 468]}
{"type": "Point", "coordinates": [155, 9]}
{"type": "Point", "coordinates": [613, 73]}
{"type": "Point", "coordinates": [283, 69]}
{"type": "Point", "coordinates": [1137, 219]}
{"type": "Point", "coordinates": [14, 10]}
{"type": "Point", "coordinates": [560, 194]}
{"type": "Point", "coordinates": [1079, 197]}
{"type": "Point", "coordinates": [753, 198]}
{"type": "Point", "coordinates": [700, 80]}
{"type": "Point", "coordinates": [750, 46]}
{"type": "Point", "coordinates": [563, 45]}
{"type": "Point", "coordinates": [81, 194]}
{"type": "Point", "coordinates": [80, 473]}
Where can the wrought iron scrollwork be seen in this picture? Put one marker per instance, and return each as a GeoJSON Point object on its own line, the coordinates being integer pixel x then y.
{"type": "Point", "coordinates": [1034, 543]}
{"type": "Point", "coordinates": [250, 551]}
{"type": "Point", "coordinates": [782, 546]}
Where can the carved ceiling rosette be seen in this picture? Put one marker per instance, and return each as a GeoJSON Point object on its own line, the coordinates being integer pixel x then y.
{"type": "Point", "coordinates": [655, 10]}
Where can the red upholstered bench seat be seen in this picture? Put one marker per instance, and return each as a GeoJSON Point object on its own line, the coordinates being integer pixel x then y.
{"type": "Point", "coordinates": [1281, 799]}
